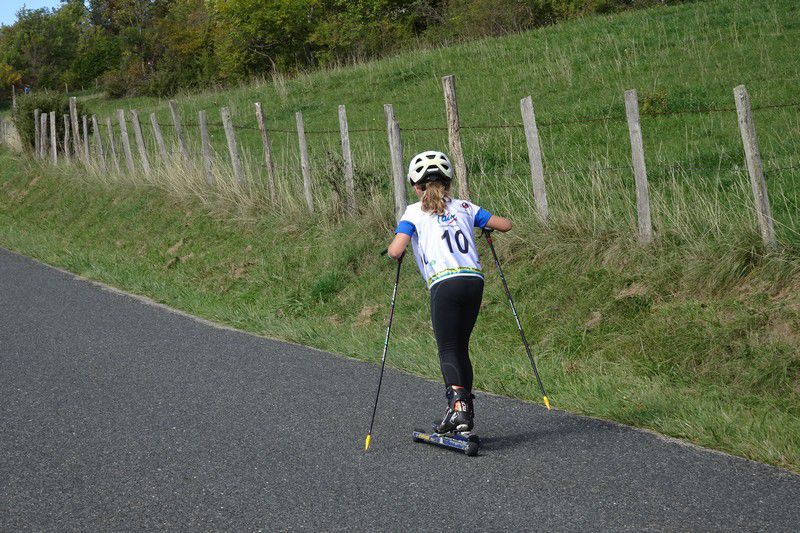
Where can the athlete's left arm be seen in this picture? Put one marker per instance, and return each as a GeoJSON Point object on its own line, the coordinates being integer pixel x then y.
{"type": "Point", "coordinates": [398, 245]}
{"type": "Point", "coordinates": [499, 223]}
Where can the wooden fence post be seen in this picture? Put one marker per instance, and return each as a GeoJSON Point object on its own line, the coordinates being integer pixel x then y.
{"type": "Point", "coordinates": [755, 169]}
{"type": "Point", "coordinates": [176, 121]}
{"type": "Point", "coordinates": [162, 147]}
{"type": "Point", "coordinates": [137, 133]}
{"type": "Point", "coordinates": [535, 157]}
{"type": "Point", "coordinates": [37, 134]}
{"type": "Point", "coordinates": [205, 141]}
{"type": "Point", "coordinates": [270, 164]}
{"type": "Point", "coordinates": [85, 121]}
{"type": "Point", "coordinates": [639, 169]}
{"type": "Point", "coordinates": [347, 156]}
{"type": "Point", "coordinates": [454, 136]}
{"type": "Point", "coordinates": [396, 151]}
{"type": "Point", "coordinates": [126, 141]}
{"type": "Point", "coordinates": [66, 138]}
{"type": "Point", "coordinates": [43, 144]}
{"type": "Point", "coordinates": [76, 134]}
{"type": "Point", "coordinates": [230, 136]}
{"type": "Point", "coordinates": [112, 144]}
{"type": "Point", "coordinates": [98, 142]}
{"type": "Point", "coordinates": [53, 138]}
{"type": "Point", "coordinates": [305, 165]}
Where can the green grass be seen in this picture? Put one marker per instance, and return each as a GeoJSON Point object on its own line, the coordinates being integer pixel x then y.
{"type": "Point", "coordinates": [679, 58]}
{"type": "Point", "coordinates": [695, 336]}
{"type": "Point", "coordinates": [700, 343]}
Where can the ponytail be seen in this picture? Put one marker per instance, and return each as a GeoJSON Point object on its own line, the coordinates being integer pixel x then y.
{"type": "Point", "coordinates": [435, 197]}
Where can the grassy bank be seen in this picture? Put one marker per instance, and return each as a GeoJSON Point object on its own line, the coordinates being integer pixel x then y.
{"type": "Point", "coordinates": [698, 341]}
{"type": "Point", "coordinates": [682, 59]}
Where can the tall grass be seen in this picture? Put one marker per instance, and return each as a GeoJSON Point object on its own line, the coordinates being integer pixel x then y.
{"type": "Point", "coordinates": [681, 59]}
{"type": "Point", "coordinates": [10, 138]}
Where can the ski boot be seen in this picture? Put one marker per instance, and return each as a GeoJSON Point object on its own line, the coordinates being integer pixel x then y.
{"type": "Point", "coordinates": [454, 431]}
{"type": "Point", "coordinates": [460, 412]}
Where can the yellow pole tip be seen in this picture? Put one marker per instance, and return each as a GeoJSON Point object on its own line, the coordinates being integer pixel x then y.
{"type": "Point", "coordinates": [546, 402]}
{"type": "Point", "coordinates": [367, 442]}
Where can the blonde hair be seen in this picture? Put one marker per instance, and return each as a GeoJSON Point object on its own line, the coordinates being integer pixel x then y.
{"type": "Point", "coordinates": [435, 197]}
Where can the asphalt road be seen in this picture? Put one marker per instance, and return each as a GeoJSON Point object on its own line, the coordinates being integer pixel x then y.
{"type": "Point", "coordinates": [120, 415]}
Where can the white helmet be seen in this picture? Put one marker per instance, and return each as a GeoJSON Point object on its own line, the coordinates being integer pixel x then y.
{"type": "Point", "coordinates": [429, 166]}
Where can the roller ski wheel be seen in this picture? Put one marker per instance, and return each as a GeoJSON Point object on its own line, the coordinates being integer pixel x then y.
{"type": "Point", "coordinates": [464, 441]}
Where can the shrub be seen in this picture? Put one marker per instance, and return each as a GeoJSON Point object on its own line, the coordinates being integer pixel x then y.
{"type": "Point", "coordinates": [116, 83]}
{"type": "Point", "coordinates": [45, 101]}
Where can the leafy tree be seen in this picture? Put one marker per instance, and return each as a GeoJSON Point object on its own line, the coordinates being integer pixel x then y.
{"type": "Point", "coordinates": [41, 44]}
{"type": "Point", "coordinates": [158, 46]}
{"type": "Point", "coordinates": [255, 36]}
{"type": "Point", "coordinates": [361, 28]}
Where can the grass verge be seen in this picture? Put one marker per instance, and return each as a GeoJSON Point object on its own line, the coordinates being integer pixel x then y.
{"type": "Point", "coordinates": [693, 338]}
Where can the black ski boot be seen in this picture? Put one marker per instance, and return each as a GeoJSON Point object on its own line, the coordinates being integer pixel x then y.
{"type": "Point", "coordinates": [460, 412]}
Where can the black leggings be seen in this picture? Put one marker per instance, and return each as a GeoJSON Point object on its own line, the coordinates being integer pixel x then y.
{"type": "Point", "coordinates": [455, 303]}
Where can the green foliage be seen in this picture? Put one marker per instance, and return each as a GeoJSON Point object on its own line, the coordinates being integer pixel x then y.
{"type": "Point", "coordinates": [96, 53]}
{"type": "Point", "coordinates": [45, 101]}
{"type": "Point", "coordinates": [42, 44]}
{"type": "Point", "coordinates": [8, 77]}
{"type": "Point", "coordinates": [158, 47]}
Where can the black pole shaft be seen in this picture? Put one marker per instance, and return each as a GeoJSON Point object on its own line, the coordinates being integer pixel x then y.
{"type": "Point", "coordinates": [514, 311]}
{"type": "Point", "coordinates": [386, 343]}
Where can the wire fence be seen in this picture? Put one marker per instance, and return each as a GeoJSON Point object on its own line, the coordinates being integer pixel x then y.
{"type": "Point", "coordinates": [514, 125]}
{"type": "Point", "coordinates": [631, 114]}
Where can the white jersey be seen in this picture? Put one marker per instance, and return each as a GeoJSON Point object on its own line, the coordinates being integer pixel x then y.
{"type": "Point", "coordinates": [444, 245]}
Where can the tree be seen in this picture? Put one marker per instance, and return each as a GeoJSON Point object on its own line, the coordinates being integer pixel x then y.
{"type": "Point", "coordinates": [41, 44]}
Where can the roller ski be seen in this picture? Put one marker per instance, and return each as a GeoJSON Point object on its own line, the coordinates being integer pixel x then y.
{"type": "Point", "coordinates": [463, 441]}
{"type": "Point", "coordinates": [455, 429]}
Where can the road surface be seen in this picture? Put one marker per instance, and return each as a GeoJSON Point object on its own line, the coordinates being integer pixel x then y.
{"type": "Point", "coordinates": [116, 414]}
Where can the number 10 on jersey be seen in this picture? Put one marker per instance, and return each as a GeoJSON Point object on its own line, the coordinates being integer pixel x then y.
{"type": "Point", "coordinates": [461, 241]}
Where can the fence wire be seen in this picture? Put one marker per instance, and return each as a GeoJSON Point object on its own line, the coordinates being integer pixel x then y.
{"type": "Point", "coordinates": [512, 125]}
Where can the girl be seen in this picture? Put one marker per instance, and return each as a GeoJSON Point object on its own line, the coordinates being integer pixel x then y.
{"type": "Point", "coordinates": [440, 229]}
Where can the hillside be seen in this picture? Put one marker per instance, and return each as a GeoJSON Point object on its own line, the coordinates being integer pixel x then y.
{"type": "Point", "coordinates": [694, 336]}
{"type": "Point", "coordinates": [680, 59]}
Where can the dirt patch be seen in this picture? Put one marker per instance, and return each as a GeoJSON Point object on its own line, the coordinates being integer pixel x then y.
{"type": "Point", "coordinates": [634, 290]}
{"type": "Point", "coordinates": [789, 296]}
{"type": "Point", "coordinates": [365, 315]}
{"type": "Point", "coordinates": [783, 330]}
{"type": "Point", "coordinates": [595, 319]}
{"type": "Point", "coordinates": [174, 248]}
{"type": "Point", "coordinates": [238, 271]}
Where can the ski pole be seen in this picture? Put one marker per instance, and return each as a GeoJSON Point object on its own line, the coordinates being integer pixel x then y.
{"type": "Point", "coordinates": [368, 440]}
{"type": "Point", "coordinates": [488, 235]}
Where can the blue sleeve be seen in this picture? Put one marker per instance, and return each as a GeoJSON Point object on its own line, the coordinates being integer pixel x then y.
{"type": "Point", "coordinates": [404, 226]}
{"type": "Point", "coordinates": [482, 217]}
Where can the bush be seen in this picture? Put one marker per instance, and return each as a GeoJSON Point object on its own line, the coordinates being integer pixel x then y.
{"type": "Point", "coordinates": [45, 101]}
{"type": "Point", "coordinates": [116, 83]}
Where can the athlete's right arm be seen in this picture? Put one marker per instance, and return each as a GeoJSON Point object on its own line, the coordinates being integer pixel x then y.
{"type": "Point", "coordinates": [499, 223]}
{"type": "Point", "coordinates": [405, 230]}
{"type": "Point", "coordinates": [398, 245]}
